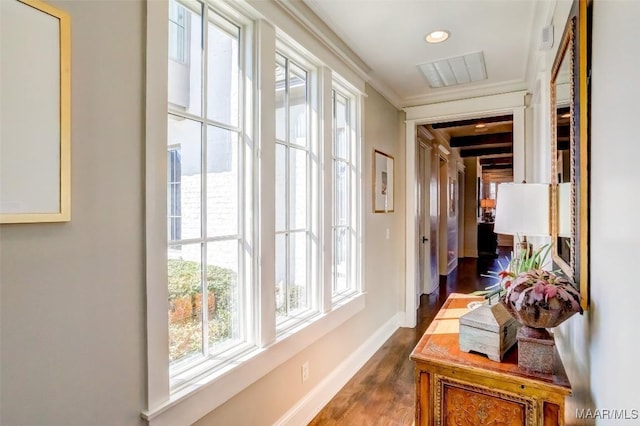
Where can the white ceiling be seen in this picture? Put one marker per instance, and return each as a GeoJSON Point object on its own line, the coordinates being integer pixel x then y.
{"type": "Point", "coordinates": [388, 36]}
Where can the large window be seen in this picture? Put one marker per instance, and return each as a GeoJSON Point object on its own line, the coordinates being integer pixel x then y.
{"type": "Point", "coordinates": [206, 213]}
{"type": "Point", "coordinates": [262, 209]}
{"type": "Point", "coordinates": [294, 278]}
{"type": "Point", "coordinates": [345, 189]}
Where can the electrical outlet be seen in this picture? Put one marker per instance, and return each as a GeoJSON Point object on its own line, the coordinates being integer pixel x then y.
{"type": "Point", "coordinates": [305, 371]}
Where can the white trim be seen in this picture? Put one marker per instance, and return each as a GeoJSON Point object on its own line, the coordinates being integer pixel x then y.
{"type": "Point", "coordinates": [265, 130]}
{"type": "Point", "coordinates": [411, 227]}
{"type": "Point", "coordinates": [466, 108]}
{"type": "Point", "coordinates": [311, 404]}
{"type": "Point", "coordinates": [314, 24]}
{"type": "Point", "coordinates": [451, 95]}
{"type": "Point", "coordinates": [325, 79]}
{"type": "Point", "coordinates": [156, 203]}
{"type": "Point", "coordinates": [519, 149]}
{"type": "Point", "coordinates": [513, 103]}
{"type": "Point", "coordinates": [294, 30]}
{"type": "Point", "coordinates": [210, 392]}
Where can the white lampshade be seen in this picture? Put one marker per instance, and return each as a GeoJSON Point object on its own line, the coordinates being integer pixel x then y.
{"type": "Point", "coordinates": [522, 209]}
{"type": "Point", "coordinates": [564, 209]}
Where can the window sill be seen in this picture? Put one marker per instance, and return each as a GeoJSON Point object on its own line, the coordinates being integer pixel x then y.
{"type": "Point", "coordinates": [204, 395]}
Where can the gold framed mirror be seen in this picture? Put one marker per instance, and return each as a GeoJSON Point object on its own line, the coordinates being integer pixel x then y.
{"type": "Point", "coordinates": [570, 152]}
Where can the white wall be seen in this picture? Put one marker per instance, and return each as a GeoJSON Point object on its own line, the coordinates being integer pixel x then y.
{"type": "Point", "coordinates": [615, 229]}
{"type": "Point", "coordinates": [72, 294]}
{"type": "Point", "coordinates": [599, 348]}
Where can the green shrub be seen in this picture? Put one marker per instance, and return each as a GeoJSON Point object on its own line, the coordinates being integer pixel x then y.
{"type": "Point", "coordinates": [185, 284]}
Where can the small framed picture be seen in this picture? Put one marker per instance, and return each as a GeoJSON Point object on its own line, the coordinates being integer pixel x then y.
{"type": "Point", "coordinates": [382, 182]}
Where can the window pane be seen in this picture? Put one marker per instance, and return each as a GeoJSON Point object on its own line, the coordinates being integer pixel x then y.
{"type": "Point", "coordinates": [297, 105]}
{"type": "Point", "coordinates": [281, 87]}
{"type": "Point", "coordinates": [281, 275]}
{"type": "Point", "coordinates": [344, 188]}
{"type": "Point", "coordinates": [185, 58]}
{"type": "Point", "coordinates": [222, 182]}
{"type": "Point", "coordinates": [298, 272]}
{"type": "Point", "coordinates": [341, 264]}
{"type": "Point", "coordinates": [183, 200]}
{"type": "Point", "coordinates": [224, 294]}
{"type": "Point", "coordinates": [281, 187]}
{"type": "Point", "coordinates": [174, 189]}
{"type": "Point", "coordinates": [185, 294]}
{"type": "Point", "coordinates": [341, 195]}
{"type": "Point", "coordinates": [341, 136]}
{"type": "Point", "coordinates": [223, 83]}
{"type": "Point", "coordinates": [177, 32]}
{"type": "Point", "coordinates": [297, 188]}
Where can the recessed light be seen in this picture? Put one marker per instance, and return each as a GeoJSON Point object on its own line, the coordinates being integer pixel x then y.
{"type": "Point", "coordinates": [437, 36]}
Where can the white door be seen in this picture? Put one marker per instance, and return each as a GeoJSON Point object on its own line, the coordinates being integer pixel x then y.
{"type": "Point", "coordinates": [424, 222]}
{"type": "Point", "coordinates": [434, 213]}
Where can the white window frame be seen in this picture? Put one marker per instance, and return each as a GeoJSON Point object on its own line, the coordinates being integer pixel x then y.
{"type": "Point", "coordinates": [307, 63]}
{"type": "Point", "coordinates": [184, 372]}
{"type": "Point", "coordinates": [217, 385]}
{"type": "Point", "coordinates": [354, 214]}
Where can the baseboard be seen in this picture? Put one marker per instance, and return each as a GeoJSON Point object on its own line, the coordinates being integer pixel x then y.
{"type": "Point", "coordinates": [306, 408]}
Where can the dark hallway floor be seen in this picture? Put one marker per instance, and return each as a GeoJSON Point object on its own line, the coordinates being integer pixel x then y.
{"type": "Point", "coordinates": [382, 392]}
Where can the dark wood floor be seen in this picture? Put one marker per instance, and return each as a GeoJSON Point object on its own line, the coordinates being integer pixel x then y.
{"type": "Point", "coordinates": [382, 392]}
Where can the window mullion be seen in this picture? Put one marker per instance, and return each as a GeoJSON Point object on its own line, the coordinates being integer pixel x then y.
{"type": "Point", "coordinates": [310, 284]}
{"type": "Point", "coordinates": [287, 192]}
{"type": "Point", "coordinates": [204, 208]}
{"type": "Point", "coordinates": [287, 225]}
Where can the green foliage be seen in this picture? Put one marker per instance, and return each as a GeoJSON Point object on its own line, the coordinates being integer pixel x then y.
{"type": "Point", "coordinates": [296, 295]}
{"type": "Point", "coordinates": [526, 260]}
{"type": "Point", "coordinates": [185, 286]}
{"type": "Point", "coordinates": [185, 276]}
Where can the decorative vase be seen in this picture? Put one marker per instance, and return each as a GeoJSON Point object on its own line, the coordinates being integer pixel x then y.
{"type": "Point", "coordinates": [536, 346]}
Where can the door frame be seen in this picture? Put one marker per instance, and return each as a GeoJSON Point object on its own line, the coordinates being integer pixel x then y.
{"type": "Point", "coordinates": [425, 198]}
{"type": "Point", "coordinates": [508, 103]}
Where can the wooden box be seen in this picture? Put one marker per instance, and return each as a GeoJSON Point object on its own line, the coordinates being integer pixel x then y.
{"type": "Point", "coordinates": [489, 330]}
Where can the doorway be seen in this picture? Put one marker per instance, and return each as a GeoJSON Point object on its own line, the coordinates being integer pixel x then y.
{"type": "Point", "coordinates": [427, 242]}
{"type": "Point", "coordinates": [512, 104]}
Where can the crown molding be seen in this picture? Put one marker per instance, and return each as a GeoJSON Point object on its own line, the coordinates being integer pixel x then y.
{"type": "Point", "coordinates": [306, 17]}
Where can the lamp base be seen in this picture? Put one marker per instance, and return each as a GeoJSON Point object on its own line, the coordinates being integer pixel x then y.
{"type": "Point", "coordinates": [536, 347]}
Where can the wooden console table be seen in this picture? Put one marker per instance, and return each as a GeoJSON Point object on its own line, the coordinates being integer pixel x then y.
{"type": "Point", "coordinates": [458, 388]}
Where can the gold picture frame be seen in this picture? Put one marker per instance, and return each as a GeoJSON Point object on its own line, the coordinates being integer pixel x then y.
{"type": "Point", "coordinates": [35, 113]}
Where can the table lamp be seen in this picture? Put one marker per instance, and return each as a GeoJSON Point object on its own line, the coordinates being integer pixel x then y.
{"type": "Point", "coordinates": [487, 204]}
{"type": "Point", "coordinates": [522, 209]}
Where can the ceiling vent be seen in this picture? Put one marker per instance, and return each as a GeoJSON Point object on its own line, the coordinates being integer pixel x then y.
{"type": "Point", "coordinates": [458, 70]}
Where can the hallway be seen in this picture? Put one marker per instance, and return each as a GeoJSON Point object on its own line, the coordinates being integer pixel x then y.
{"type": "Point", "coordinates": [382, 392]}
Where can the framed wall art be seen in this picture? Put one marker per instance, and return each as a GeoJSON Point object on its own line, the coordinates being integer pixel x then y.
{"type": "Point", "coordinates": [383, 182]}
{"type": "Point", "coordinates": [35, 113]}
